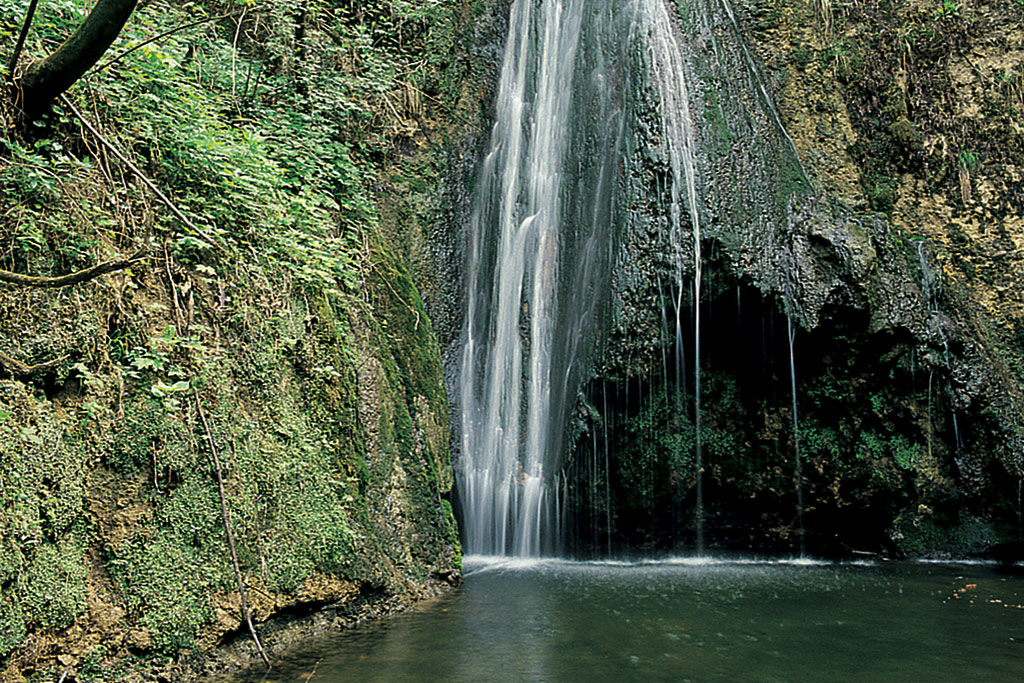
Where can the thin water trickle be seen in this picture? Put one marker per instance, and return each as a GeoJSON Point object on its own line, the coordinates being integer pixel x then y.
{"type": "Point", "coordinates": [769, 103]}
{"type": "Point", "coordinates": [791, 333]}
{"type": "Point", "coordinates": [958, 441]}
{"type": "Point", "coordinates": [928, 415]}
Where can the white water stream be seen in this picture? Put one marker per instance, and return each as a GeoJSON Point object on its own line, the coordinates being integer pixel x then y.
{"type": "Point", "coordinates": [506, 374]}
{"type": "Point", "coordinates": [541, 246]}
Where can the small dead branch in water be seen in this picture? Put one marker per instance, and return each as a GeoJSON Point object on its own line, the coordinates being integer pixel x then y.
{"type": "Point", "coordinates": [309, 676]}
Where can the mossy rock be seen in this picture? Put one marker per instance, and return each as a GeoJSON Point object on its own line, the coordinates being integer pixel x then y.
{"type": "Point", "coordinates": [52, 591]}
{"type": "Point", "coordinates": [921, 534]}
{"type": "Point", "coordinates": [906, 135]}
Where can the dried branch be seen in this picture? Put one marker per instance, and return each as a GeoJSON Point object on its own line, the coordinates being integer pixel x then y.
{"type": "Point", "coordinates": [72, 278]}
{"type": "Point", "coordinates": [159, 36]}
{"type": "Point", "coordinates": [20, 370]}
{"type": "Point", "coordinates": [29, 14]}
{"type": "Point", "coordinates": [227, 529]}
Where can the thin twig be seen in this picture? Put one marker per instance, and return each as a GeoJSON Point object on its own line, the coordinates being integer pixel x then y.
{"type": "Point", "coordinates": [156, 480]}
{"type": "Point", "coordinates": [387, 100]}
{"type": "Point", "coordinates": [114, 60]}
{"type": "Point", "coordinates": [234, 52]}
{"type": "Point", "coordinates": [29, 13]}
{"type": "Point", "coordinates": [248, 72]}
{"type": "Point", "coordinates": [174, 290]}
{"type": "Point", "coordinates": [142, 176]}
{"type": "Point", "coordinates": [227, 529]}
{"type": "Point", "coordinates": [398, 296]}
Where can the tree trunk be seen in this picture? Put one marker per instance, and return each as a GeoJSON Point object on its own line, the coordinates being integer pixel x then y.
{"type": "Point", "coordinates": [48, 78]}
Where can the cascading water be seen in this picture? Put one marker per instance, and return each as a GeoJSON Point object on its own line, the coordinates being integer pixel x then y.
{"type": "Point", "coordinates": [540, 248]}
{"type": "Point", "coordinates": [668, 73]}
{"type": "Point", "coordinates": [594, 144]}
{"type": "Point", "coordinates": [540, 242]}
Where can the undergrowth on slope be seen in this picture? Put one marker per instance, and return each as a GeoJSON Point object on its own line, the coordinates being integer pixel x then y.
{"type": "Point", "coordinates": [273, 130]}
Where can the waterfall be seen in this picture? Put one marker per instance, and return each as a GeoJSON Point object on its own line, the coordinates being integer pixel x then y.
{"type": "Point", "coordinates": [668, 72]}
{"type": "Point", "coordinates": [551, 203]}
{"type": "Point", "coordinates": [538, 257]}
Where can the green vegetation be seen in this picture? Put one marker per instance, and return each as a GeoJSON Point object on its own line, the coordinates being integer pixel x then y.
{"type": "Point", "coordinates": [281, 301]}
{"type": "Point", "coordinates": [658, 454]}
{"type": "Point", "coordinates": [967, 160]}
{"type": "Point", "coordinates": [927, 534]}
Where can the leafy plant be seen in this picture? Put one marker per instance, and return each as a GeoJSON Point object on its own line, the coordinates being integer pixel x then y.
{"type": "Point", "coordinates": [948, 9]}
{"type": "Point", "coordinates": [967, 160]}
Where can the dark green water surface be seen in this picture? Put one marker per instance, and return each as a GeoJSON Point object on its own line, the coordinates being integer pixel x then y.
{"type": "Point", "coordinates": [693, 620]}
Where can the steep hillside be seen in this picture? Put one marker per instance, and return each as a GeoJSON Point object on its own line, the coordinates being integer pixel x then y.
{"type": "Point", "coordinates": [268, 333]}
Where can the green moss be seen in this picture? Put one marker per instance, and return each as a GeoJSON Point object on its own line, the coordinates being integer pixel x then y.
{"type": "Point", "coordinates": [135, 440]}
{"type": "Point", "coordinates": [906, 135]}
{"type": "Point", "coordinates": [658, 448]}
{"type": "Point", "coordinates": [451, 527]}
{"type": "Point", "coordinates": [791, 183]}
{"type": "Point", "coordinates": [167, 583]}
{"type": "Point", "coordinates": [803, 57]}
{"type": "Point", "coordinates": [821, 442]}
{"type": "Point", "coordinates": [305, 522]}
{"type": "Point", "coordinates": [904, 452]}
{"type": "Point", "coordinates": [91, 669]}
{"type": "Point", "coordinates": [53, 591]}
{"type": "Point", "coordinates": [717, 122]}
{"type": "Point", "coordinates": [10, 556]}
{"type": "Point", "coordinates": [12, 624]}
{"type": "Point", "coordinates": [881, 194]}
{"type": "Point", "coordinates": [275, 333]}
{"type": "Point", "coordinates": [888, 454]}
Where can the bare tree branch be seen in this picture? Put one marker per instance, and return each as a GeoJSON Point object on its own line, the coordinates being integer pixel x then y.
{"type": "Point", "coordinates": [71, 278]}
{"type": "Point", "coordinates": [142, 176]}
{"type": "Point", "coordinates": [226, 518]}
{"type": "Point", "coordinates": [178, 29]}
{"type": "Point", "coordinates": [29, 13]}
{"type": "Point", "coordinates": [20, 370]}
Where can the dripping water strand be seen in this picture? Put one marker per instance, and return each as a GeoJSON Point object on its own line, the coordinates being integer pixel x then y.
{"type": "Point", "coordinates": [698, 443]}
{"type": "Point", "coordinates": [605, 417]}
{"type": "Point", "coordinates": [668, 72]}
{"type": "Point", "coordinates": [768, 101]}
{"type": "Point", "coordinates": [796, 437]}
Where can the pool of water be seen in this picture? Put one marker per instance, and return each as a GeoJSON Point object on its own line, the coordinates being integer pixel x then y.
{"type": "Point", "coordinates": [692, 620]}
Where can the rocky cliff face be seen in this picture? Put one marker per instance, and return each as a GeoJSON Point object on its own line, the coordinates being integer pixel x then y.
{"type": "Point", "coordinates": [910, 110]}
{"type": "Point", "coordinates": [858, 181]}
